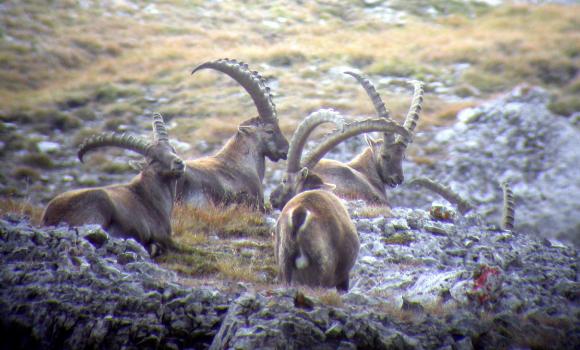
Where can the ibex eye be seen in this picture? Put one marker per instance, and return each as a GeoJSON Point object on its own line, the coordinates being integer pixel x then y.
{"type": "Point", "coordinates": [270, 132]}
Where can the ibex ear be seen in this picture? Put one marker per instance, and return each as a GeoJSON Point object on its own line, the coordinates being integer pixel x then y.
{"type": "Point", "coordinates": [303, 173]}
{"type": "Point", "coordinates": [246, 129]}
{"type": "Point", "coordinates": [138, 164]}
{"type": "Point", "coordinates": [328, 187]}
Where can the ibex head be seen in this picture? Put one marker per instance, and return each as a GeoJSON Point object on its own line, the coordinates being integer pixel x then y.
{"type": "Point", "coordinates": [270, 140]}
{"type": "Point", "coordinates": [298, 179]}
{"type": "Point", "coordinates": [294, 183]}
{"type": "Point", "coordinates": [265, 126]}
{"type": "Point", "coordinates": [160, 157]}
{"type": "Point", "coordinates": [388, 153]}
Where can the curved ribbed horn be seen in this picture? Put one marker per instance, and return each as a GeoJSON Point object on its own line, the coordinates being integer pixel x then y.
{"type": "Point", "coordinates": [305, 129]}
{"type": "Point", "coordinates": [382, 111]}
{"type": "Point", "coordinates": [252, 82]}
{"type": "Point", "coordinates": [133, 143]}
{"type": "Point", "coordinates": [414, 111]}
{"type": "Point", "coordinates": [351, 130]}
{"type": "Point", "coordinates": [508, 217]}
{"type": "Point", "coordinates": [159, 129]}
{"type": "Point", "coordinates": [451, 196]}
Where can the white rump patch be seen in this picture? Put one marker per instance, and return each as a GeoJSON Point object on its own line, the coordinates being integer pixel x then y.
{"type": "Point", "coordinates": [301, 261]}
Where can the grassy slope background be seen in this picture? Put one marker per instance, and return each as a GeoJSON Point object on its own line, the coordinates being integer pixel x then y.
{"type": "Point", "coordinates": [72, 68]}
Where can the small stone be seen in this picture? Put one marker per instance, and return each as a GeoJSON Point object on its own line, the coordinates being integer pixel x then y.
{"type": "Point", "coordinates": [127, 257]}
{"type": "Point", "coordinates": [335, 330]}
{"type": "Point", "coordinates": [400, 224]}
{"type": "Point", "coordinates": [96, 235]}
{"type": "Point", "coordinates": [436, 228]}
{"type": "Point", "coordinates": [47, 146]}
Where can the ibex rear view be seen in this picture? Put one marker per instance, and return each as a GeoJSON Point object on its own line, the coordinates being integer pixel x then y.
{"type": "Point", "coordinates": [235, 173]}
{"type": "Point", "coordinates": [316, 241]}
{"type": "Point", "coordinates": [140, 209]}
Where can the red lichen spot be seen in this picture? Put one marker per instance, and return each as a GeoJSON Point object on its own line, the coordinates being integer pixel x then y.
{"type": "Point", "coordinates": [486, 281]}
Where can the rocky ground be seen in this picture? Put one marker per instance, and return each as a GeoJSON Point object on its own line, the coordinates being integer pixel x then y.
{"type": "Point", "coordinates": [422, 280]}
{"type": "Point", "coordinates": [427, 277]}
{"type": "Point", "coordinates": [419, 283]}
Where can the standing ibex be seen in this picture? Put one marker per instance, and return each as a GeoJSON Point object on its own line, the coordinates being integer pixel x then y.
{"type": "Point", "coordinates": [236, 172]}
{"type": "Point", "coordinates": [286, 190]}
{"type": "Point", "coordinates": [316, 241]}
{"type": "Point", "coordinates": [378, 165]}
{"type": "Point", "coordinates": [140, 209]}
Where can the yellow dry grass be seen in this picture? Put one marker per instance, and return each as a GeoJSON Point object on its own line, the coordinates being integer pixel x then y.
{"type": "Point", "coordinates": [21, 208]}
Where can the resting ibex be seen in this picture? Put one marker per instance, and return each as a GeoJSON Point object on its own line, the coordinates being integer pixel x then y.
{"type": "Point", "coordinates": [236, 172]}
{"type": "Point", "coordinates": [444, 191]}
{"type": "Point", "coordinates": [287, 189]}
{"type": "Point", "coordinates": [316, 241]}
{"type": "Point", "coordinates": [140, 209]}
{"type": "Point", "coordinates": [464, 206]}
{"type": "Point", "coordinates": [378, 165]}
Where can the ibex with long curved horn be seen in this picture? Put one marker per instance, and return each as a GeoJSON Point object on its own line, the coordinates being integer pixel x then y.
{"type": "Point", "coordinates": [378, 165]}
{"type": "Point", "coordinates": [316, 242]}
{"type": "Point", "coordinates": [140, 209]}
{"type": "Point", "coordinates": [464, 206]}
{"type": "Point", "coordinates": [292, 183]}
{"type": "Point", "coordinates": [235, 173]}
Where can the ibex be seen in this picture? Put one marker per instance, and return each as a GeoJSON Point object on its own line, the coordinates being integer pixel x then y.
{"type": "Point", "coordinates": [316, 241]}
{"type": "Point", "coordinates": [378, 165]}
{"type": "Point", "coordinates": [464, 206]}
{"type": "Point", "coordinates": [288, 188]}
{"type": "Point", "coordinates": [235, 173]}
{"type": "Point", "coordinates": [140, 209]}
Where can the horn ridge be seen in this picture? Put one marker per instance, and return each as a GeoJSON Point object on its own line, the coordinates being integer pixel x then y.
{"type": "Point", "coordinates": [350, 130]}
{"type": "Point", "coordinates": [378, 103]}
{"type": "Point", "coordinates": [412, 117]}
{"type": "Point", "coordinates": [159, 128]}
{"type": "Point", "coordinates": [508, 216]}
{"type": "Point", "coordinates": [304, 130]}
{"type": "Point", "coordinates": [251, 81]}
{"type": "Point", "coordinates": [444, 191]}
{"type": "Point", "coordinates": [130, 142]}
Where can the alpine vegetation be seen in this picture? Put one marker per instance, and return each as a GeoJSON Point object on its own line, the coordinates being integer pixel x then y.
{"type": "Point", "coordinates": [140, 209]}
{"type": "Point", "coordinates": [235, 173]}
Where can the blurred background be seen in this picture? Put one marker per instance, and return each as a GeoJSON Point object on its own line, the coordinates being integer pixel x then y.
{"type": "Point", "coordinates": [69, 69]}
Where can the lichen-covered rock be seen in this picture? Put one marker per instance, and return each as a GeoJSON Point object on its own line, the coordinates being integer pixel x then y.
{"type": "Point", "coordinates": [66, 289]}
{"type": "Point", "coordinates": [277, 322]}
{"type": "Point", "coordinates": [513, 138]}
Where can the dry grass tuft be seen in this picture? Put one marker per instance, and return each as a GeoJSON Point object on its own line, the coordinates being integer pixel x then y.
{"type": "Point", "coordinates": [231, 269]}
{"type": "Point", "coordinates": [374, 212]}
{"type": "Point", "coordinates": [21, 208]}
{"type": "Point", "coordinates": [225, 222]}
